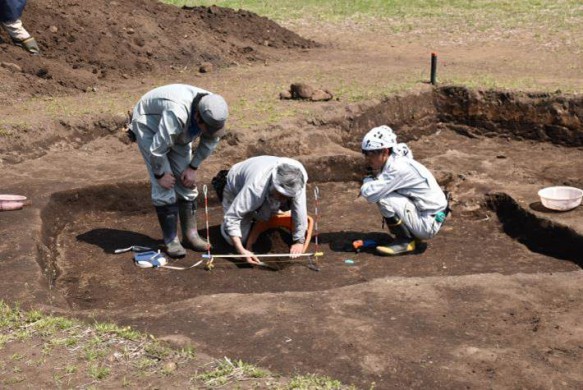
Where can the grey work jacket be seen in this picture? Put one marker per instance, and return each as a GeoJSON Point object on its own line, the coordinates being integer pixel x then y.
{"type": "Point", "coordinates": [409, 178]}
{"type": "Point", "coordinates": [172, 106]}
{"type": "Point", "coordinates": [251, 181]}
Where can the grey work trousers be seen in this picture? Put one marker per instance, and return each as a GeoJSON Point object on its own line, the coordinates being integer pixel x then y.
{"type": "Point", "coordinates": [421, 224]}
{"type": "Point", "coordinates": [179, 156]}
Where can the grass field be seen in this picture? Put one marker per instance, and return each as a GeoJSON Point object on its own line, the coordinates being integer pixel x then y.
{"type": "Point", "coordinates": [551, 24]}
{"type": "Point", "coordinates": [550, 16]}
{"type": "Point", "coordinates": [104, 354]}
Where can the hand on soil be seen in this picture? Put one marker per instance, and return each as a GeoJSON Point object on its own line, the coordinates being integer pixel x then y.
{"type": "Point", "coordinates": [251, 259]}
{"type": "Point", "coordinates": [296, 250]}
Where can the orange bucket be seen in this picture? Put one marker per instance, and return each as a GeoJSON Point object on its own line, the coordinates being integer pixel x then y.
{"type": "Point", "coordinates": [283, 221]}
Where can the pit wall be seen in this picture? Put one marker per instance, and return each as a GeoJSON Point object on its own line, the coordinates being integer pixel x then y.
{"type": "Point", "coordinates": [27, 142]}
{"type": "Point", "coordinates": [65, 206]}
{"type": "Point", "coordinates": [542, 117]}
{"type": "Point", "coordinates": [411, 116]}
{"type": "Point", "coordinates": [540, 235]}
{"type": "Point", "coordinates": [545, 117]}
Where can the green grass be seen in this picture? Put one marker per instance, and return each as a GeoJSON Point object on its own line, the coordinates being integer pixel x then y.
{"type": "Point", "coordinates": [310, 382]}
{"type": "Point", "coordinates": [102, 347]}
{"type": "Point", "coordinates": [97, 355]}
{"type": "Point", "coordinates": [226, 372]}
{"type": "Point", "coordinates": [460, 14]}
{"type": "Point", "coordinates": [99, 372]}
{"type": "Point", "coordinates": [123, 332]}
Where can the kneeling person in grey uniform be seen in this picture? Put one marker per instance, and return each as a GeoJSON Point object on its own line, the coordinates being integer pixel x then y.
{"type": "Point", "coordinates": [411, 202]}
{"type": "Point", "coordinates": [256, 189]}
{"type": "Point", "coordinates": [165, 122]}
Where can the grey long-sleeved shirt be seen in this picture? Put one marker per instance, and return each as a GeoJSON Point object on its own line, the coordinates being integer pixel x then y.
{"type": "Point", "coordinates": [409, 178]}
{"type": "Point", "coordinates": [251, 181]}
{"type": "Point", "coordinates": [172, 104]}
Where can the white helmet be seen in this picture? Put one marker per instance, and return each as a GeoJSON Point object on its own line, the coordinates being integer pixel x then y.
{"type": "Point", "coordinates": [378, 138]}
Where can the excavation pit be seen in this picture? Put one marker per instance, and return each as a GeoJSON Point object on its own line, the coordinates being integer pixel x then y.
{"type": "Point", "coordinates": [484, 147]}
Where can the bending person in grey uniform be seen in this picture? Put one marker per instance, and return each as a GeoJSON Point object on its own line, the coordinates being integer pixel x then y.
{"type": "Point", "coordinates": [411, 202]}
{"type": "Point", "coordinates": [165, 122]}
{"type": "Point", "coordinates": [256, 189]}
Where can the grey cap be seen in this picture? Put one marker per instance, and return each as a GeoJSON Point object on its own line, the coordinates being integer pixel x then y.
{"type": "Point", "coordinates": [214, 111]}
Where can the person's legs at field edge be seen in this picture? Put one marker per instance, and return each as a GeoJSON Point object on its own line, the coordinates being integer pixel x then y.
{"type": "Point", "coordinates": [20, 36]}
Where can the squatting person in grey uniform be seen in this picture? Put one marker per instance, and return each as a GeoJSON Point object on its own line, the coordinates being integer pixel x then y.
{"type": "Point", "coordinates": [411, 202]}
{"type": "Point", "coordinates": [165, 122]}
{"type": "Point", "coordinates": [256, 189]}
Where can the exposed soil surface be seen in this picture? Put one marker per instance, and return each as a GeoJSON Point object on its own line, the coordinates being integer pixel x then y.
{"type": "Point", "coordinates": [86, 48]}
{"type": "Point", "coordinates": [493, 301]}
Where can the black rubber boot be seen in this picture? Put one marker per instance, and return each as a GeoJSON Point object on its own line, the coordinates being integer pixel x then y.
{"type": "Point", "coordinates": [398, 228]}
{"type": "Point", "coordinates": [190, 237]}
{"type": "Point", "coordinates": [404, 241]}
{"type": "Point", "coordinates": [168, 218]}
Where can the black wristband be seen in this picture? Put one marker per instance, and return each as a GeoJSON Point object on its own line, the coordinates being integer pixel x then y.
{"type": "Point", "coordinates": [159, 176]}
{"type": "Point", "coordinates": [191, 167]}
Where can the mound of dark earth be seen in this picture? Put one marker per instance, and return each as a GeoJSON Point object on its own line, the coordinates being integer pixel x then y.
{"type": "Point", "coordinates": [92, 44]}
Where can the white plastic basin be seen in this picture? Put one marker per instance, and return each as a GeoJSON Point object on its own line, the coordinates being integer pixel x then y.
{"type": "Point", "coordinates": [560, 198]}
{"type": "Point", "coordinates": [12, 202]}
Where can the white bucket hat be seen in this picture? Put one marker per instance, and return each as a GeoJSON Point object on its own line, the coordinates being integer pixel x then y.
{"type": "Point", "coordinates": [289, 177]}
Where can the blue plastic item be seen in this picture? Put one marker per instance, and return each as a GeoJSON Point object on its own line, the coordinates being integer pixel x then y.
{"type": "Point", "coordinates": [149, 259]}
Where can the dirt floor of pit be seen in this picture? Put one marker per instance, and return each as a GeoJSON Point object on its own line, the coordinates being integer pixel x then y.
{"type": "Point", "coordinates": [381, 320]}
{"type": "Point", "coordinates": [433, 320]}
{"type": "Point", "coordinates": [471, 246]}
{"type": "Point", "coordinates": [92, 276]}
{"type": "Point", "coordinates": [343, 300]}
